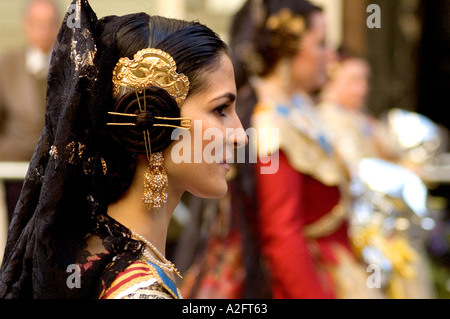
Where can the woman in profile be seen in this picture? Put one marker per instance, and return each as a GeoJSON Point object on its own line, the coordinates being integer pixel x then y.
{"type": "Point", "coordinates": [105, 178]}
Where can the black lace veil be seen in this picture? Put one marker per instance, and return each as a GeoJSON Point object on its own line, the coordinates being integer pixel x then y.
{"type": "Point", "coordinates": [64, 182]}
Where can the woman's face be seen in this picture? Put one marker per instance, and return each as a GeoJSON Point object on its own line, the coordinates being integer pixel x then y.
{"type": "Point", "coordinates": [350, 85]}
{"type": "Point", "coordinates": [197, 162]}
{"type": "Point", "coordinates": [309, 65]}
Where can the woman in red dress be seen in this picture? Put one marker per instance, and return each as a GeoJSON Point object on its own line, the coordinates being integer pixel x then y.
{"type": "Point", "coordinates": [302, 186]}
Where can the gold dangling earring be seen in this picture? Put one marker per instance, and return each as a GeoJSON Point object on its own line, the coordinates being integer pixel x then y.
{"type": "Point", "coordinates": [155, 182]}
{"type": "Point", "coordinates": [155, 176]}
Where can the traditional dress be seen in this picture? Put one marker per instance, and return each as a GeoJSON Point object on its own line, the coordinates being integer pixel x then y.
{"type": "Point", "coordinates": [142, 280]}
{"type": "Point", "coordinates": [356, 136]}
{"type": "Point", "coordinates": [303, 206]}
{"type": "Point", "coordinates": [113, 256]}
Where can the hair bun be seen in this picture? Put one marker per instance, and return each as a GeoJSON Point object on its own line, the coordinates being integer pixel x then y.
{"type": "Point", "coordinates": [156, 102]}
{"type": "Point", "coordinates": [145, 119]}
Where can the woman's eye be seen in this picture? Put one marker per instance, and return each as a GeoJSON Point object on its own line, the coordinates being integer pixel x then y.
{"type": "Point", "coordinates": [220, 109]}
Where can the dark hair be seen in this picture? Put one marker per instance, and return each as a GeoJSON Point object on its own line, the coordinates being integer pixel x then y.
{"type": "Point", "coordinates": [253, 42]}
{"type": "Point", "coordinates": [195, 49]}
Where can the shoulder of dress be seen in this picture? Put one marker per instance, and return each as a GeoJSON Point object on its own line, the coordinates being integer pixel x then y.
{"type": "Point", "coordinates": [306, 154]}
{"type": "Point", "coordinates": [138, 281]}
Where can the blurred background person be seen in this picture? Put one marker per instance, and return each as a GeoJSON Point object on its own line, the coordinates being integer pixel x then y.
{"type": "Point", "coordinates": [358, 136]}
{"type": "Point", "coordinates": [357, 133]}
{"type": "Point", "coordinates": [301, 210]}
{"type": "Point", "coordinates": [23, 83]}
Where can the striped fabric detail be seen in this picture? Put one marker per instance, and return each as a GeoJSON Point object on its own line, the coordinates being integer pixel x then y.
{"type": "Point", "coordinates": [137, 274]}
{"type": "Point", "coordinates": [166, 281]}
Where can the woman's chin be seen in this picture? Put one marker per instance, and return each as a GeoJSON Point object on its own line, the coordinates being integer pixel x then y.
{"type": "Point", "coordinates": [215, 191]}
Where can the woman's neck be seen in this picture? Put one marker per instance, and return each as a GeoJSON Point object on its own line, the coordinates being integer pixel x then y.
{"type": "Point", "coordinates": [280, 78]}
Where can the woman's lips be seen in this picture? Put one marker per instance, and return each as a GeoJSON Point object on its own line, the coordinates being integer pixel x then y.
{"type": "Point", "coordinates": [225, 165]}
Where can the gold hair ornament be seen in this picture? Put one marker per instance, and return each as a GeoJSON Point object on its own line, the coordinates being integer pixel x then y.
{"type": "Point", "coordinates": [286, 22]}
{"type": "Point", "coordinates": [150, 67]}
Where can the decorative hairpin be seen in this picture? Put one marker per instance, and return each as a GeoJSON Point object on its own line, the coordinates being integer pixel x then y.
{"type": "Point", "coordinates": [185, 123]}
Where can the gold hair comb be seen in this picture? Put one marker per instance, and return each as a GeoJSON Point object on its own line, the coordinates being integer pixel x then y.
{"type": "Point", "coordinates": [150, 67]}
{"type": "Point", "coordinates": [285, 21]}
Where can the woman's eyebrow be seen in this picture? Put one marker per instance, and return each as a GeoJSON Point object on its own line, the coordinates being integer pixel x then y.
{"type": "Point", "coordinates": [230, 96]}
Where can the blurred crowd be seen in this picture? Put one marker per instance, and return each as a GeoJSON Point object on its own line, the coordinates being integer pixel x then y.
{"type": "Point", "coordinates": [350, 211]}
{"type": "Point", "coordinates": [23, 84]}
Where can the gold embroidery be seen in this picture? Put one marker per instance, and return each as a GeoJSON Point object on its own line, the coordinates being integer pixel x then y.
{"type": "Point", "coordinates": [327, 224]}
{"type": "Point", "coordinates": [105, 168]}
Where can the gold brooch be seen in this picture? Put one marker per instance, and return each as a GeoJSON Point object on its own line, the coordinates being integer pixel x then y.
{"type": "Point", "coordinates": [150, 67]}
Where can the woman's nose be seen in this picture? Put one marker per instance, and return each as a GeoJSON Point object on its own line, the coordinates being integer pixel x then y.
{"type": "Point", "coordinates": [239, 139]}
